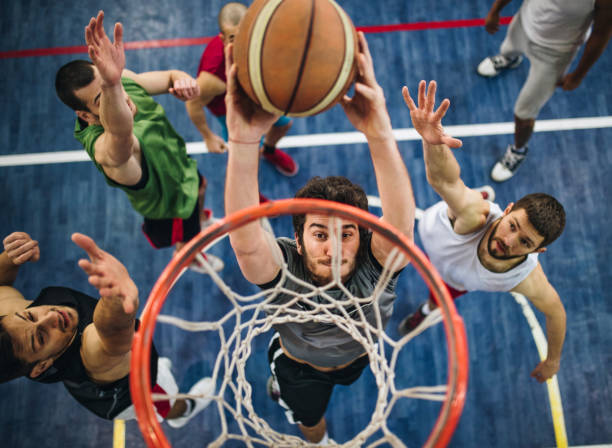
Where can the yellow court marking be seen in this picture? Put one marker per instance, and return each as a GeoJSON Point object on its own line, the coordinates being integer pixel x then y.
{"type": "Point", "coordinates": [554, 395]}
{"type": "Point", "coordinates": [118, 433]}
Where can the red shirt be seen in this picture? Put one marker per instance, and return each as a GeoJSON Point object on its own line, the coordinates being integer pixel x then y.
{"type": "Point", "coordinates": [213, 61]}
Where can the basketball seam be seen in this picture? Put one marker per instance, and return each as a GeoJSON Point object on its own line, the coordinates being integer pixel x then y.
{"type": "Point", "coordinates": [304, 57]}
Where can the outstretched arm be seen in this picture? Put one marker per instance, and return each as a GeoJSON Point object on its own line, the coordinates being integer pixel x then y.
{"type": "Point", "coordinates": [594, 46]}
{"type": "Point", "coordinates": [115, 148]}
{"type": "Point", "coordinates": [246, 124]}
{"type": "Point", "coordinates": [175, 82]}
{"type": "Point", "coordinates": [210, 87]}
{"type": "Point", "coordinates": [107, 344]}
{"type": "Point", "coordinates": [367, 111]}
{"type": "Point", "coordinates": [546, 299]}
{"type": "Point", "coordinates": [467, 208]}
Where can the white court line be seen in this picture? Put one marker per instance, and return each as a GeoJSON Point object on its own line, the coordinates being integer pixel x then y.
{"type": "Point", "coordinates": [338, 138]}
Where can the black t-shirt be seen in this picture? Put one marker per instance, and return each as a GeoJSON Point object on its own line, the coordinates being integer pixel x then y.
{"type": "Point", "coordinates": [104, 400]}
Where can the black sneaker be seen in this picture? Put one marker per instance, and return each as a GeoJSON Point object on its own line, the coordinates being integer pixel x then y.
{"type": "Point", "coordinates": [506, 167]}
{"type": "Point", "coordinates": [272, 389]}
{"type": "Point", "coordinates": [494, 65]}
{"type": "Point", "coordinates": [412, 321]}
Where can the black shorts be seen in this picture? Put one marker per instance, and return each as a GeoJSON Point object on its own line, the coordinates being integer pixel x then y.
{"type": "Point", "coordinates": [167, 232]}
{"type": "Point", "coordinates": [304, 390]}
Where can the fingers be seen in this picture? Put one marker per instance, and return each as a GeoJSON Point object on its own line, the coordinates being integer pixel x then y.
{"type": "Point", "coordinates": [88, 245]}
{"type": "Point", "coordinates": [421, 95]}
{"type": "Point", "coordinates": [118, 34]}
{"type": "Point", "coordinates": [185, 89]}
{"type": "Point", "coordinates": [444, 105]}
{"type": "Point", "coordinates": [431, 96]}
{"type": "Point", "coordinates": [15, 236]}
{"type": "Point", "coordinates": [451, 142]}
{"type": "Point", "coordinates": [408, 99]}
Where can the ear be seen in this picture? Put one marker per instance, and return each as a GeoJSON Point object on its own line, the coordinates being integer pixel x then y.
{"type": "Point", "coordinates": [297, 243]}
{"type": "Point", "coordinates": [87, 116]}
{"type": "Point", "coordinates": [508, 208]}
{"type": "Point", "coordinates": [541, 250]}
{"type": "Point", "coordinates": [40, 367]}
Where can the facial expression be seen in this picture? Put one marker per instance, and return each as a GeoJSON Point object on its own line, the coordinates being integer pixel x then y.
{"type": "Point", "coordinates": [513, 236]}
{"type": "Point", "coordinates": [319, 244]}
{"type": "Point", "coordinates": [91, 95]}
{"type": "Point", "coordinates": [228, 33]}
{"type": "Point", "coordinates": [41, 332]}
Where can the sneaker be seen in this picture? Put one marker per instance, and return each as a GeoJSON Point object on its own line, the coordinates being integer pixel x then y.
{"type": "Point", "coordinates": [411, 322]}
{"type": "Point", "coordinates": [215, 262]}
{"type": "Point", "coordinates": [487, 192]}
{"type": "Point", "coordinates": [282, 162]}
{"type": "Point", "coordinates": [272, 389]}
{"type": "Point", "coordinates": [494, 65]}
{"type": "Point", "coordinates": [202, 390]}
{"type": "Point", "coordinates": [207, 219]}
{"type": "Point", "coordinates": [506, 167]}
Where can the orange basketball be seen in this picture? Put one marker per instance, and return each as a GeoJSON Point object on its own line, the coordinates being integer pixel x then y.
{"type": "Point", "coordinates": [296, 57]}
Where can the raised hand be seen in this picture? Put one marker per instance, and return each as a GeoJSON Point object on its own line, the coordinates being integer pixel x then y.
{"type": "Point", "coordinates": [427, 122]}
{"type": "Point", "coordinates": [108, 57]}
{"type": "Point", "coordinates": [185, 89]}
{"type": "Point", "coordinates": [367, 110]}
{"type": "Point", "coordinates": [545, 370]}
{"type": "Point", "coordinates": [246, 121]}
{"type": "Point", "coordinates": [107, 274]}
{"type": "Point", "coordinates": [21, 248]}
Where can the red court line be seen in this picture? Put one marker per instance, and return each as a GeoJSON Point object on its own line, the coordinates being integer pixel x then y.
{"type": "Point", "coordinates": [182, 42]}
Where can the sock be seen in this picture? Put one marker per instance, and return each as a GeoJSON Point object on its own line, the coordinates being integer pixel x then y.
{"type": "Point", "coordinates": [267, 149]}
{"type": "Point", "coordinates": [425, 309]}
{"type": "Point", "coordinates": [521, 150]}
{"type": "Point", "coordinates": [324, 441]}
{"type": "Point", "coordinates": [189, 405]}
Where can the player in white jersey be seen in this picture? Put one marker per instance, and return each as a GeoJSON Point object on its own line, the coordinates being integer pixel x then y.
{"type": "Point", "coordinates": [549, 33]}
{"type": "Point", "coordinates": [476, 246]}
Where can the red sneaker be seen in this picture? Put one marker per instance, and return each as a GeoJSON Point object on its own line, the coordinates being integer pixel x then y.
{"type": "Point", "coordinates": [282, 162]}
{"type": "Point", "coordinates": [411, 322]}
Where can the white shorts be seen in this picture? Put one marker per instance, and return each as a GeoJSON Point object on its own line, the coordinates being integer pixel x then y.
{"type": "Point", "coordinates": [166, 384]}
{"type": "Point", "coordinates": [547, 67]}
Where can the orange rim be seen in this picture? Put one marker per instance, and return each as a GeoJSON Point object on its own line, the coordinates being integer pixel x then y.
{"type": "Point", "coordinates": [140, 380]}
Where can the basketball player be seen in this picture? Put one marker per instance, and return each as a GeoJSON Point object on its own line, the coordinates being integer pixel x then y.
{"type": "Point", "coordinates": [475, 245]}
{"type": "Point", "coordinates": [308, 359]}
{"type": "Point", "coordinates": [212, 82]}
{"type": "Point", "coordinates": [549, 33]}
{"type": "Point", "coordinates": [130, 140]}
{"type": "Point", "coordinates": [64, 335]}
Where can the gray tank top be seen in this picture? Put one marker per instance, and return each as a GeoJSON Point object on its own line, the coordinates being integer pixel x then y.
{"type": "Point", "coordinates": [323, 344]}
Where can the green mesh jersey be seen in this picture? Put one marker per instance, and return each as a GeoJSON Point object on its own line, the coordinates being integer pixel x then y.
{"type": "Point", "coordinates": [172, 188]}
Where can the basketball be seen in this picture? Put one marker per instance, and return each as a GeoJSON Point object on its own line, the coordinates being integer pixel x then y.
{"type": "Point", "coordinates": [296, 57]}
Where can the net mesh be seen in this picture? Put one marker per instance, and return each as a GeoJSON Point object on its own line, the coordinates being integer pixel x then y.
{"type": "Point", "coordinates": [252, 315]}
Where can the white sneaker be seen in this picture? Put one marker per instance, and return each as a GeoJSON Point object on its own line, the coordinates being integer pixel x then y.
{"type": "Point", "coordinates": [487, 192]}
{"type": "Point", "coordinates": [506, 167]}
{"type": "Point", "coordinates": [494, 65]}
{"type": "Point", "coordinates": [215, 263]}
{"type": "Point", "coordinates": [207, 219]}
{"type": "Point", "coordinates": [200, 392]}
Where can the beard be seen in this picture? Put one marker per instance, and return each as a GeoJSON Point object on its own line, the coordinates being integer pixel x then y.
{"type": "Point", "coordinates": [323, 279]}
{"type": "Point", "coordinates": [492, 241]}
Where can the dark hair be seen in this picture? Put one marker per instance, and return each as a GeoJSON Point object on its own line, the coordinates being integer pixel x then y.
{"type": "Point", "coordinates": [545, 214]}
{"type": "Point", "coordinates": [71, 77]}
{"type": "Point", "coordinates": [11, 366]}
{"type": "Point", "coordinates": [332, 188]}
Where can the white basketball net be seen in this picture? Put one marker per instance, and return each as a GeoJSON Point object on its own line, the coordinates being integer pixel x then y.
{"type": "Point", "coordinates": [254, 315]}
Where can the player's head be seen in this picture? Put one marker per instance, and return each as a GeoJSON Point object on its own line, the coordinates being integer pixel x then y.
{"type": "Point", "coordinates": [529, 225]}
{"type": "Point", "coordinates": [229, 19]}
{"type": "Point", "coordinates": [315, 240]}
{"type": "Point", "coordinates": [32, 339]}
{"type": "Point", "coordinates": [79, 85]}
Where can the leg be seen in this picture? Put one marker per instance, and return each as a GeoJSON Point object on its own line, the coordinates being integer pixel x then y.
{"type": "Point", "coordinates": [314, 434]}
{"type": "Point", "coordinates": [280, 159]}
{"type": "Point", "coordinates": [522, 131]}
{"type": "Point", "coordinates": [276, 133]}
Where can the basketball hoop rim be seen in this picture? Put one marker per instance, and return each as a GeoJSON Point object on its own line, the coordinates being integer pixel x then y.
{"type": "Point", "coordinates": [140, 381]}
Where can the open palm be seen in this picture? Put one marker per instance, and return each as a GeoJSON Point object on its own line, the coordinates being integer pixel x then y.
{"type": "Point", "coordinates": [108, 57]}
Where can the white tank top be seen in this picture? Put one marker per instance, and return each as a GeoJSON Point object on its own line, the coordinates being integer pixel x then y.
{"type": "Point", "coordinates": [562, 25]}
{"type": "Point", "coordinates": [456, 256]}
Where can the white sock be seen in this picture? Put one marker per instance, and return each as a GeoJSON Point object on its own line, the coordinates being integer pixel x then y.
{"type": "Point", "coordinates": [425, 309]}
